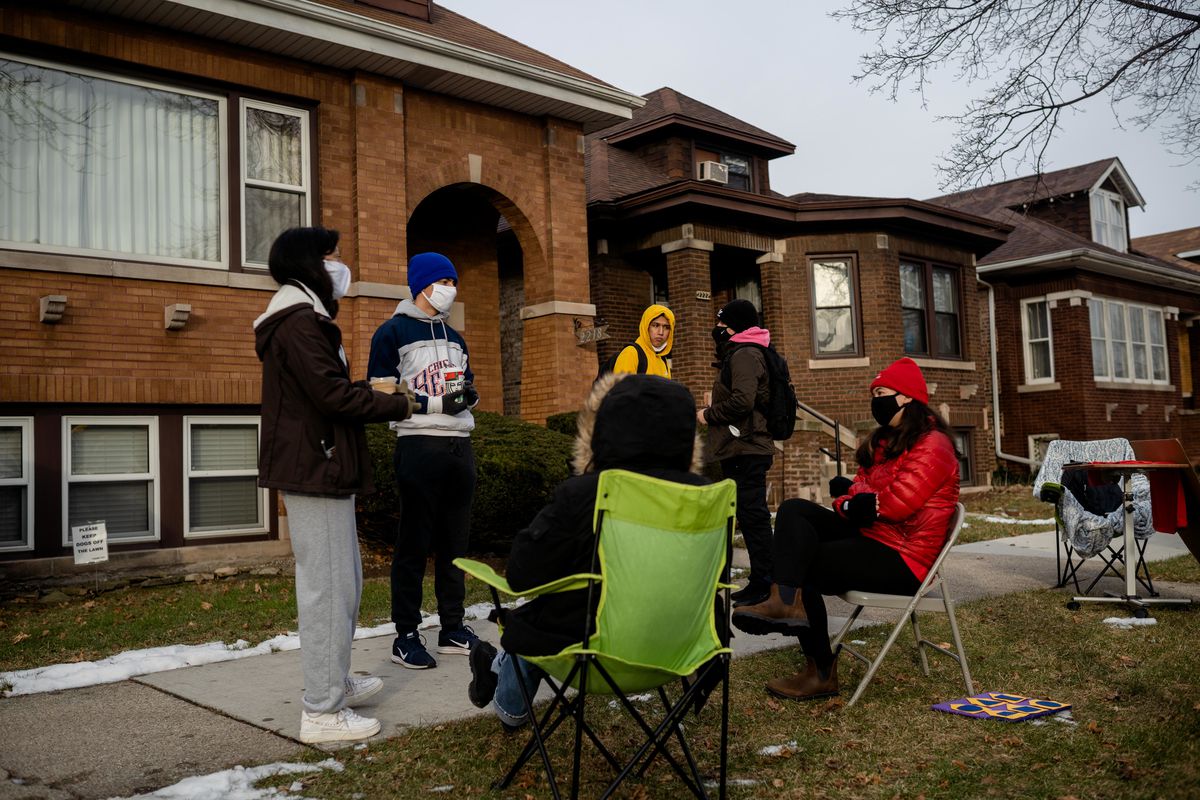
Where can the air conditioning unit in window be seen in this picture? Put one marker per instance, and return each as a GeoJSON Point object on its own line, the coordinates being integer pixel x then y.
{"type": "Point", "coordinates": [714, 172]}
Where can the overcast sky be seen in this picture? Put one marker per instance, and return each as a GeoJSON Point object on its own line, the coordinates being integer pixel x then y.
{"type": "Point", "coordinates": [786, 67]}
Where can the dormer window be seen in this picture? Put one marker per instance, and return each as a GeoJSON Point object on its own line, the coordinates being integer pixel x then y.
{"type": "Point", "coordinates": [1108, 220]}
{"type": "Point", "coordinates": [739, 171]}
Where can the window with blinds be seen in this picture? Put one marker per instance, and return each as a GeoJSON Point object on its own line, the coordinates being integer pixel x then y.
{"type": "Point", "coordinates": [221, 495]}
{"type": "Point", "coordinates": [16, 483]}
{"type": "Point", "coordinates": [111, 475]}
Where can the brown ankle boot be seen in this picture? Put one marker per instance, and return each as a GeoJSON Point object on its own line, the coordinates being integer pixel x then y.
{"type": "Point", "coordinates": [806, 685]}
{"type": "Point", "coordinates": [772, 615]}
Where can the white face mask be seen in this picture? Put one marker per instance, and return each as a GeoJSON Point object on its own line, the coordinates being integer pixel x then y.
{"type": "Point", "coordinates": [441, 296]}
{"type": "Point", "coordinates": [339, 273]}
{"type": "Point", "coordinates": [660, 348]}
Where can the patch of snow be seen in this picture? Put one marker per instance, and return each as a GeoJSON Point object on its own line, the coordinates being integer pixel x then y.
{"type": "Point", "coordinates": [711, 784]}
{"type": "Point", "coordinates": [1129, 622]}
{"type": "Point", "coordinates": [449, 787]}
{"type": "Point", "coordinates": [859, 642]}
{"type": "Point", "coordinates": [1013, 521]}
{"type": "Point", "coordinates": [132, 663]}
{"type": "Point", "coordinates": [237, 783]}
{"type": "Point", "coordinates": [633, 698]}
{"type": "Point", "coordinates": [779, 749]}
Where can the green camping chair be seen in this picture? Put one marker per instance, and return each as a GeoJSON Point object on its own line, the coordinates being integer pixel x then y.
{"type": "Point", "coordinates": [662, 554]}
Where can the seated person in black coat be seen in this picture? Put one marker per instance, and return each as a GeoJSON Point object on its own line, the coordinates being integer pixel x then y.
{"type": "Point", "coordinates": [639, 423]}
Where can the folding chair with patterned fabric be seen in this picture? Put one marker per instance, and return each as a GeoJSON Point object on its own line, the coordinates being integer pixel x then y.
{"type": "Point", "coordinates": [920, 601]}
{"type": "Point", "coordinates": [1082, 534]}
{"type": "Point", "coordinates": [648, 631]}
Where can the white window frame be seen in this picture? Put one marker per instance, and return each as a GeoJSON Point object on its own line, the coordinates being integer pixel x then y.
{"type": "Point", "coordinates": [1103, 227]}
{"type": "Point", "coordinates": [1131, 378]}
{"type": "Point", "coordinates": [188, 474]}
{"type": "Point", "coordinates": [153, 476]}
{"type": "Point", "coordinates": [305, 161]}
{"type": "Point", "coordinates": [1026, 340]}
{"type": "Point", "coordinates": [26, 478]}
{"type": "Point", "coordinates": [223, 134]}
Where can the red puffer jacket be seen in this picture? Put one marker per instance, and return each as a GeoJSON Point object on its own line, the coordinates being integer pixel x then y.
{"type": "Point", "coordinates": [915, 495]}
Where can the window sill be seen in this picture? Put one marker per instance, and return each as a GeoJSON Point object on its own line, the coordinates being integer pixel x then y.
{"type": "Point", "coordinates": [943, 363]}
{"type": "Point", "coordinates": [137, 270]}
{"type": "Point", "coordinates": [1137, 387]}
{"type": "Point", "coordinates": [1030, 388]}
{"type": "Point", "coordinates": [838, 363]}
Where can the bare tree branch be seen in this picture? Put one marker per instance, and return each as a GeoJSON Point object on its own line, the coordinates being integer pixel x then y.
{"type": "Point", "coordinates": [1033, 60]}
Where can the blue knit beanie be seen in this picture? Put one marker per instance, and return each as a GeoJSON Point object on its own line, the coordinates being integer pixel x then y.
{"type": "Point", "coordinates": [427, 268]}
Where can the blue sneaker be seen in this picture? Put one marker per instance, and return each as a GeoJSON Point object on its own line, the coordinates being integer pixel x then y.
{"type": "Point", "coordinates": [409, 651]}
{"type": "Point", "coordinates": [458, 640]}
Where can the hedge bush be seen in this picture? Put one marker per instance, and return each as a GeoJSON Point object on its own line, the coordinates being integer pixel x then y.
{"type": "Point", "coordinates": [517, 464]}
{"type": "Point", "coordinates": [564, 423]}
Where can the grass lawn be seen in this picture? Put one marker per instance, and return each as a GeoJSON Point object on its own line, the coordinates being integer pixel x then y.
{"type": "Point", "coordinates": [1135, 730]}
{"type": "Point", "coordinates": [1015, 502]}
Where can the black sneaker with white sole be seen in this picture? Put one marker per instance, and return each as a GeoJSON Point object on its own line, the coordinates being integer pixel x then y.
{"type": "Point", "coordinates": [409, 651]}
{"type": "Point", "coordinates": [457, 640]}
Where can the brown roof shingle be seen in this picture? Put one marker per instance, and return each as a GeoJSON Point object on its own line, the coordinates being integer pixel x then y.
{"type": "Point", "coordinates": [1166, 245]}
{"type": "Point", "coordinates": [666, 103]}
{"type": "Point", "coordinates": [445, 24]}
{"type": "Point", "coordinates": [1029, 189]}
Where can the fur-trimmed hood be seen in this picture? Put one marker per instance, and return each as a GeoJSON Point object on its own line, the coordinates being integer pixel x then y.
{"type": "Point", "coordinates": [637, 422]}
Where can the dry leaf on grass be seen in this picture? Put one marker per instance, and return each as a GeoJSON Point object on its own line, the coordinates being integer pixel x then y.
{"type": "Point", "coordinates": [20, 637]}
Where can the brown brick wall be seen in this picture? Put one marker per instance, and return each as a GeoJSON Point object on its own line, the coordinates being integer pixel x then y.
{"type": "Point", "coordinates": [1079, 409]}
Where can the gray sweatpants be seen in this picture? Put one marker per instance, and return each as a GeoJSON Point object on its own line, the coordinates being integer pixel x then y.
{"type": "Point", "coordinates": [328, 589]}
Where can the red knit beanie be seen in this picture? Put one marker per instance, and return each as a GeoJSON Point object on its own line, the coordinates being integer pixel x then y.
{"type": "Point", "coordinates": [904, 376]}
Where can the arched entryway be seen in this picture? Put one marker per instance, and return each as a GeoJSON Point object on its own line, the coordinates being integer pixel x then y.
{"type": "Point", "coordinates": [491, 243]}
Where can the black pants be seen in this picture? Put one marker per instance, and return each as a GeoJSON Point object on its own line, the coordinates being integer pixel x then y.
{"type": "Point", "coordinates": [754, 519]}
{"type": "Point", "coordinates": [436, 479]}
{"type": "Point", "coordinates": [820, 553]}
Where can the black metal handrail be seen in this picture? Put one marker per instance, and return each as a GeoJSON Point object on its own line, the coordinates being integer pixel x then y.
{"type": "Point", "coordinates": [837, 433]}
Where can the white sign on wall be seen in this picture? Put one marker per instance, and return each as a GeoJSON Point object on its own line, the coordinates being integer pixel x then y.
{"type": "Point", "coordinates": [91, 543]}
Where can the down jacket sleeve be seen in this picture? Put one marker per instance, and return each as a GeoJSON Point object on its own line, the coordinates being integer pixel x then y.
{"type": "Point", "coordinates": [918, 474]}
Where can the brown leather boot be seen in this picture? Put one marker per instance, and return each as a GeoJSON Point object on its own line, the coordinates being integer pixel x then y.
{"type": "Point", "coordinates": [772, 615]}
{"type": "Point", "coordinates": [806, 685]}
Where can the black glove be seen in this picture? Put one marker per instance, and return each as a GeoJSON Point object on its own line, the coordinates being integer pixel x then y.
{"type": "Point", "coordinates": [860, 509]}
{"type": "Point", "coordinates": [472, 395]}
{"type": "Point", "coordinates": [454, 402]}
{"type": "Point", "coordinates": [449, 403]}
{"type": "Point", "coordinates": [839, 485]}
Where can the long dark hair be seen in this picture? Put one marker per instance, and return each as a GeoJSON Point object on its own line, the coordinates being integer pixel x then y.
{"type": "Point", "coordinates": [298, 255]}
{"type": "Point", "coordinates": [916, 420]}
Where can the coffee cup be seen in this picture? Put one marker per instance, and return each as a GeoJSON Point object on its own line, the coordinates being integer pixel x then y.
{"type": "Point", "coordinates": [385, 385]}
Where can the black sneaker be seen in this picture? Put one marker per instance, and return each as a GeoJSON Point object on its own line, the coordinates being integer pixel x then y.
{"type": "Point", "coordinates": [409, 651]}
{"type": "Point", "coordinates": [482, 688]}
{"type": "Point", "coordinates": [458, 640]}
{"type": "Point", "coordinates": [751, 594]}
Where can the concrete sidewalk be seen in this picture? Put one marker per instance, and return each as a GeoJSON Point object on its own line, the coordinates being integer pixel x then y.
{"type": "Point", "coordinates": [139, 735]}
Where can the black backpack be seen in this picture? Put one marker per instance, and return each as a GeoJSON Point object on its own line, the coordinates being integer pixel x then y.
{"type": "Point", "coordinates": [780, 410]}
{"type": "Point", "coordinates": [610, 363]}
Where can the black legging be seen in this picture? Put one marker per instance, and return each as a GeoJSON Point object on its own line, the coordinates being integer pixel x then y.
{"type": "Point", "coordinates": [820, 553]}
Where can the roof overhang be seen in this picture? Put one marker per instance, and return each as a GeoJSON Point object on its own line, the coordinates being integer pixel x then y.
{"type": "Point", "coordinates": [1102, 263]}
{"type": "Point", "coordinates": [1133, 198]}
{"type": "Point", "coordinates": [980, 233]}
{"type": "Point", "coordinates": [320, 34]}
{"type": "Point", "coordinates": [769, 146]}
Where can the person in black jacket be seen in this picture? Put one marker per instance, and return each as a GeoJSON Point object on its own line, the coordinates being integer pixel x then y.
{"type": "Point", "coordinates": [641, 423]}
{"type": "Point", "coordinates": [314, 450]}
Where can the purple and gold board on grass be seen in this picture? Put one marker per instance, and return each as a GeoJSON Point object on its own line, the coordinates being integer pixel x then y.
{"type": "Point", "coordinates": [1002, 706]}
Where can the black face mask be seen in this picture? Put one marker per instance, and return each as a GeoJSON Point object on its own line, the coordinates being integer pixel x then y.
{"type": "Point", "coordinates": [720, 335]}
{"type": "Point", "coordinates": [884, 407]}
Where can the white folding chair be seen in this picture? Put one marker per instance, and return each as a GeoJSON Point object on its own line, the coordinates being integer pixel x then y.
{"type": "Point", "coordinates": [910, 605]}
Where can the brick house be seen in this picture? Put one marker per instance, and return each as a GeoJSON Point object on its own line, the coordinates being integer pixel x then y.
{"type": "Point", "coordinates": [681, 211]}
{"type": "Point", "coordinates": [149, 153]}
{"type": "Point", "coordinates": [1094, 338]}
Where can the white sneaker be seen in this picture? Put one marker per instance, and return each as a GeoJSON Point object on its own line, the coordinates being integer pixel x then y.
{"type": "Point", "coordinates": [360, 690]}
{"type": "Point", "coordinates": [341, 726]}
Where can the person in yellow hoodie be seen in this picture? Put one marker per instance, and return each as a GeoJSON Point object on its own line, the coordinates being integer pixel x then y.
{"type": "Point", "coordinates": [656, 334]}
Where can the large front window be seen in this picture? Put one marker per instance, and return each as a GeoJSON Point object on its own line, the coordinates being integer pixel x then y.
{"type": "Point", "coordinates": [931, 307]}
{"type": "Point", "coordinates": [1129, 342]}
{"type": "Point", "coordinates": [110, 475]}
{"type": "Point", "coordinates": [835, 329]}
{"type": "Point", "coordinates": [1108, 220]}
{"type": "Point", "coordinates": [16, 483]}
{"type": "Point", "coordinates": [221, 494]}
{"type": "Point", "coordinates": [96, 164]}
